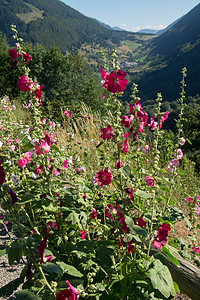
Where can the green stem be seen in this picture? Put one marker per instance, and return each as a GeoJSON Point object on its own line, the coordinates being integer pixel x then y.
{"type": "Point", "coordinates": [45, 280]}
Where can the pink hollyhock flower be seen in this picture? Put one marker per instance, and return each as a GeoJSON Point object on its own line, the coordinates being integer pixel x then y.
{"type": "Point", "coordinates": [173, 163]}
{"type": "Point", "coordinates": [27, 57]}
{"type": "Point", "coordinates": [13, 53]}
{"type": "Point", "coordinates": [38, 150]}
{"type": "Point", "coordinates": [107, 133]}
{"type": "Point", "coordinates": [67, 113]}
{"type": "Point", "coordinates": [84, 196]}
{"type": "Point", "coordinates": [68, 294]}
{"type": "Point", "coordinates": [118, 164]}
{"type": "Point", "coordinates": [103, 177]}
{"type": "Point", "coordinates": [197, 208]}
{"type": "Point", "coordinates": [83, 234]}
{"type": "Point", "coordinates": [163, 118]}
{"type": "Point", "coordinates": [102, 96]}
{"type": "Point", "coordinates": [93, 215]}
{"type": "Point", "coordinates": [12, 147]}
{"type": "Point", "coordinates": [140, 222]}
{"type": "Point", "coordinates": [2, 175]}
{"type": "Point", "coordinates": [44, 121]}
{"type": "Point", "coordinates": [38, 170]}
{"type": "Point", "coordinates": [24, 84]}
{"type": "Point", "coordinates": [57, 172]}
{"type": "Point", "coordinates": [149, 181]}
{"type": "Point", "coordinates": [65, 164]}
{"type": "Point", "coordinates": [28, 156]}
{"type": "Point", "coordinates": [126, 121]}
{"type": "Point", "coordinates": [129, 192]}
{"type": "Point", "coordinates": [196, 249]}
{"type": "Point", "coordinates": [124, 145]}
{"type": "Point", "coordinates": [114, 82]}
{"type": "Point", "coordinates": [22, 162]}
{"type": "Point", "coordinates": [162, 234]}
{"type": "Point", "coordinates": [152, 123]}
{"type": "Point", "coordinates": [48, 258]}
{"type": "Point", "coordinates": [178, 153]}
{"type": "Point", "coordinates": [38, 92]}
{"type": "Point", "coordinates": [181, 141]}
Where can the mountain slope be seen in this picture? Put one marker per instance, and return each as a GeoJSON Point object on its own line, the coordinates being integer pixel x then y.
{"type": "Point", "coordinates": [52, 21]}
{"type": "Point", "coordinates": [177, 48]}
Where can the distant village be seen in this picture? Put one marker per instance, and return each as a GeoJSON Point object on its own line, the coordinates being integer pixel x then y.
{"type": "Point", "coordinates": [129, 64]}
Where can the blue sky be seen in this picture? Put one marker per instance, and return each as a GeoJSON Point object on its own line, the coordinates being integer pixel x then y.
{"type": "Point", "coordinates": [134, 15]}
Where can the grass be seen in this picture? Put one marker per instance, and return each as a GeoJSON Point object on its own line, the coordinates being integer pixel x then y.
{"type": "Point", "coordinates": [33, 16]}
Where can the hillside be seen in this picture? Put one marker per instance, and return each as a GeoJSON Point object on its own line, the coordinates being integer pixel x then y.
{"type": "Point", "coordinates": [52, 21]}
{"type": "Point", "coordinates": [168, 53]}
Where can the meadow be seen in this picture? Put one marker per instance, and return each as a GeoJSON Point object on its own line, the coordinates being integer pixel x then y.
{"type": "Point", "coordinates": [91, 196]}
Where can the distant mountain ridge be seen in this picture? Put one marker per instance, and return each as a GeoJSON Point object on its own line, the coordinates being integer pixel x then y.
{"type": "Point", "coordinates": [178, 47]}
{"type": "Point", "coordinates": [51, 21]}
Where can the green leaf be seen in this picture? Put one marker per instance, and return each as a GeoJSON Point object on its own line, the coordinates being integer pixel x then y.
{"type": "Point", "coordinates": [143, 194]}
{"type": "Point", "coordinates": [170, 256]}
{"type": "Point", "coordinates": [26, 295]}
{"type": "Point", "coordinates": [2, 252]}
{"type": "Point", "coordinates": [73, 217]}
{"type": "Point", "coordinates": [104, 255]}
{"type": "Point", "coordinates": [8, 289]}
{"type": "Point", "coordinates": [55, 148]}
{"type": "Point", "coordinates": [161, 279]}
{"type": "Point", "coordinates": [68, 269]}
{"type": "Point", "coordinates": [52, 268]}
{"type": "Point", "coordinates": [14, 253]}
{"type": "Point", "coordinates": [129, 222]}
{"type": "Point", "coordinates": [140, 231]}
{"type": "Point", "coordinates": [126, 171]}
{"type": "Point", "coordinates": [50, 208]}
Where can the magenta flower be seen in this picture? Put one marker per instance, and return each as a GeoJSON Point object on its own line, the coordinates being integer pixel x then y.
{"type": "Point", "coordinates": [152, 123]}
{"type": "Point", "coordinates": [67, 113]}
{"type": "Point", "coordinates": [140, 222]}
{"type": "Point", "coordinates": [22, 162]}
{"type": "Point", "coordinates": [196, 249]}
{"type": "Point", "coordinates": [27, 57]}
{"type": "Point", "coordinates": [163, 118]}
{"type": "Point", "coordinates": [38, 92]}
{"type": "Point", "coordinates": [124, 145]}
{"type": "Point", "coordinates": [13, 53]}
{"type": "Point", "coordinates": [126, 121]}
{"type": "Point", "coordinates": [83, 234]}
{"type": "Point", "coordinates": [68, 294]}
{"type": "Point", "coordinates": [162, 234]}
{"type": "Point", "coordinates": [118, 164]}
{"type": "Point", "coordinates": [65, 164]}
{"type": "Point", "coordinates": [107, 133]}
{"type": "Point", "coordinates": [103, 177]}
{"type": "Point", "coordinates": [93, 215]}
{"type": "Point", "coordinates": [2, 175]}
{"type": "Point", "coordinates": [149, 181]}
{"type": "Point", "coordinates": [24, 84]}
{"type": "Point", "coordinates": [114, 82]}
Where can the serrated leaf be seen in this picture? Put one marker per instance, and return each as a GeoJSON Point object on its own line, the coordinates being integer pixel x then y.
{"type": "Point", "coordinates": [52, 268]}
{"type": "Point", "coordinates": [50, 208]}
{"type": "Point", "coordinates": [26, 295]}
{"type": "Point", "coordinates": [68, 269]}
